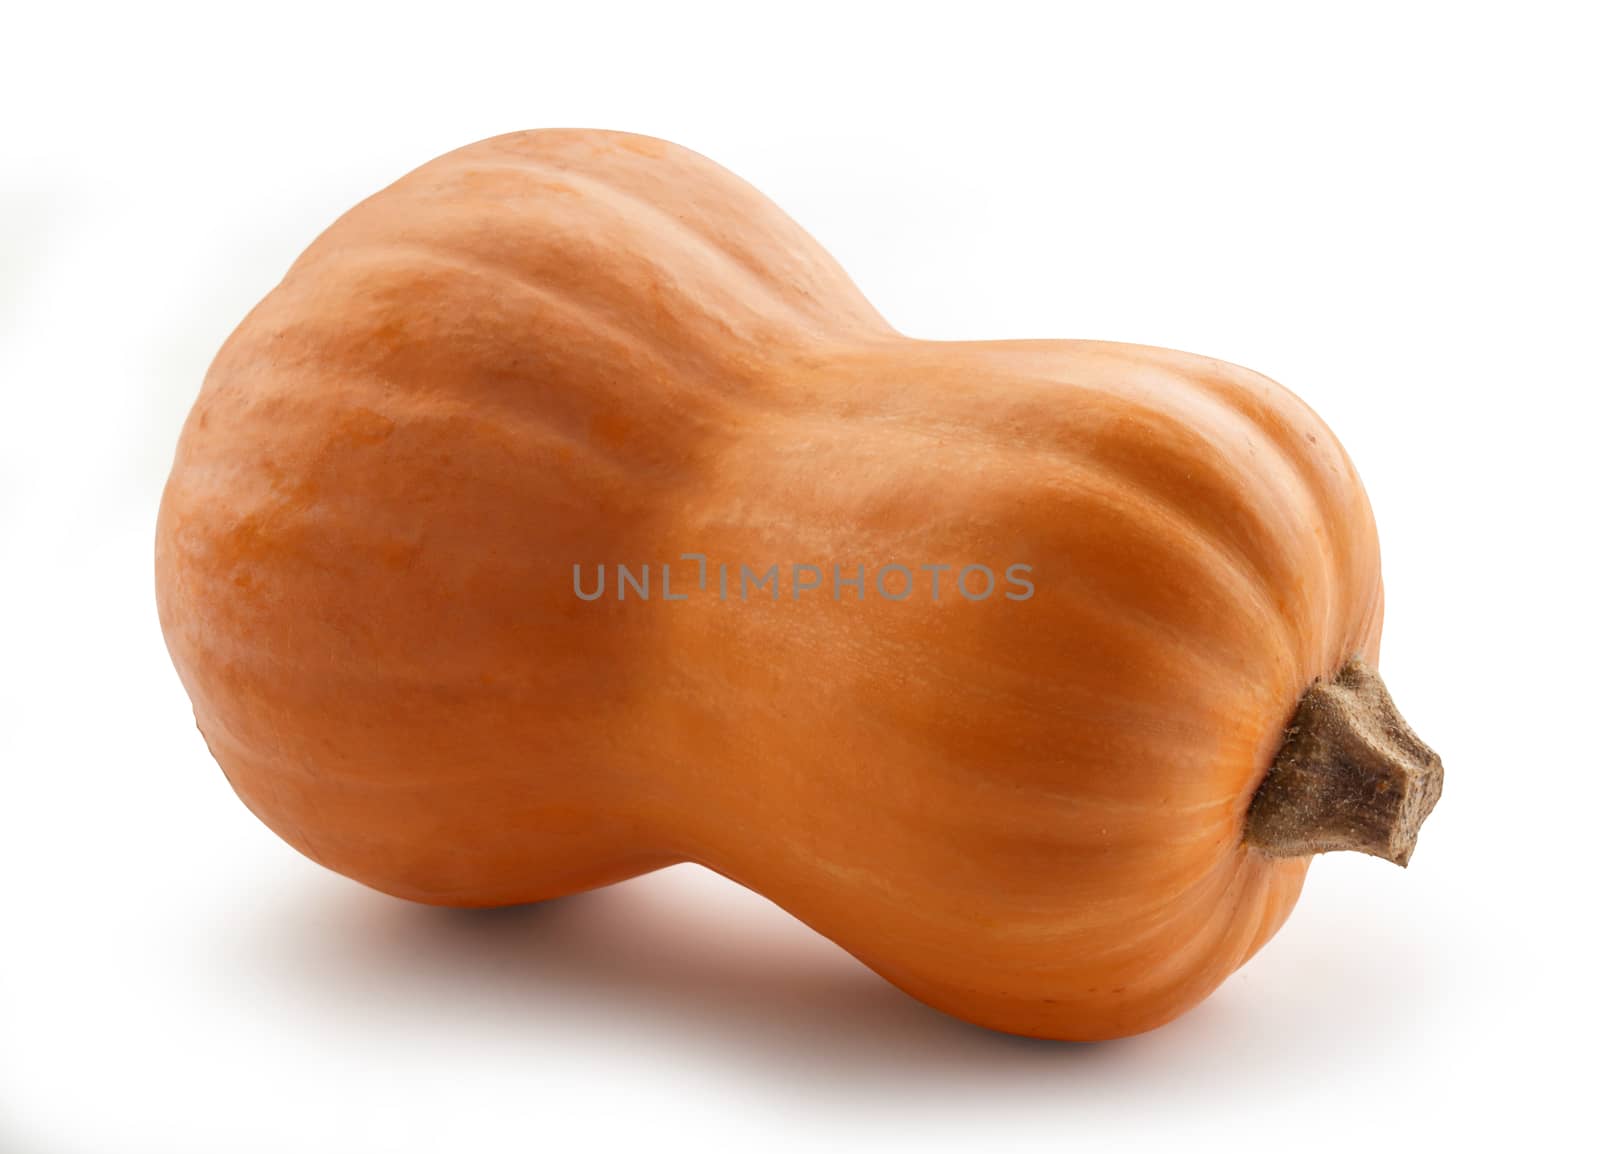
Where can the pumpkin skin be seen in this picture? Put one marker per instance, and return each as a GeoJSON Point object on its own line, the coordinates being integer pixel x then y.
{"type": "Point", "coordinates": [578, 347]}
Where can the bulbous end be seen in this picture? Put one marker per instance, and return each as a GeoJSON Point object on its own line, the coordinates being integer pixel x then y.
{"type": "Point", "coordinates": [1350, 776]}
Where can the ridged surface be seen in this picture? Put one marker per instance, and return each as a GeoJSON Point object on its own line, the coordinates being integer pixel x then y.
{"type": "Point", "coordinates": [577, 347]}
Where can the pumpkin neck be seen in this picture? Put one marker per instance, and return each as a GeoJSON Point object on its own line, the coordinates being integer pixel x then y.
{"type": "Point", "coordinates": [1351, 775]}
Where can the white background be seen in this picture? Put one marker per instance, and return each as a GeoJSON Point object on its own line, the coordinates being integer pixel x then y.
{"type": "Point", "coordinates": [1391, 209]}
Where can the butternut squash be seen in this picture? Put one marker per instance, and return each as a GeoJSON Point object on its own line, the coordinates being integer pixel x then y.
{"type": "Point", "coordinates": [1068, 808]}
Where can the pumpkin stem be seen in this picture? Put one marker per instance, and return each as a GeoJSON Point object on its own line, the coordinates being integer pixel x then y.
{"type": "Point", "coordinates": [1350, 775]}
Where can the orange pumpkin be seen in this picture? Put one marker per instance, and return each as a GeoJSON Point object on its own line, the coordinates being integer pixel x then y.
{"type": "Point", "coordinates": [1066, 808]}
